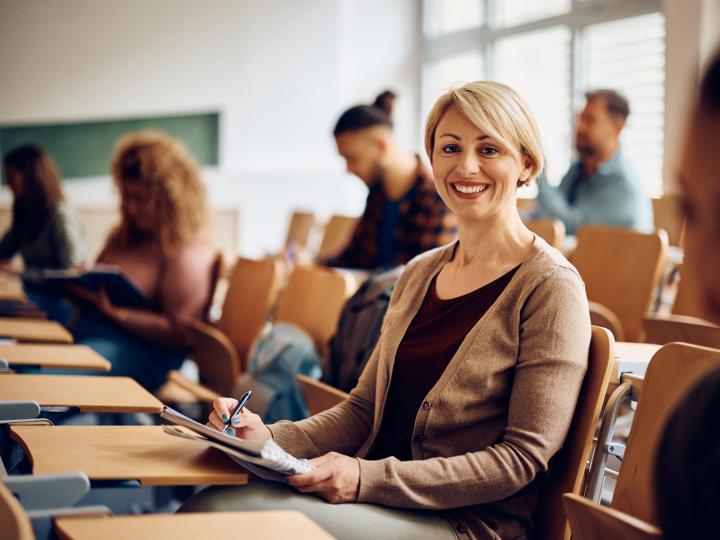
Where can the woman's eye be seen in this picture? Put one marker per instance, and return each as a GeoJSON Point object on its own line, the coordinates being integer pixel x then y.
{"type": "Point", "coordinates": [450, 148]}
{"type": "Point", "coordinates": [488, 151]}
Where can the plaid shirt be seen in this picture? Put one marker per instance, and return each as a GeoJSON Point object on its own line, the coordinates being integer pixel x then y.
{"type": "Point", "coordinates": [425, 223]}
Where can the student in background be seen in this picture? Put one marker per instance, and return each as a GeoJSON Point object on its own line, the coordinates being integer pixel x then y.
{"type": "Point", "coordinates": [688, 463]}
{"type": "Point", "coordinates": [160, 245]}
{"type": "Point", "coordinates": [472, 386]}
{"type": "Point", "coordinates": [404, 215]}
{"type": "Point", "coordinates": [601, 187]}
{"type": "Point", "coordinates": [44, 230]}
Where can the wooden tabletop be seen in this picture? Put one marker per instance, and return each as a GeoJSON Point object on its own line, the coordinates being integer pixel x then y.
{"type": "Point", "coordinates": [143, 453]}
{"type": "Point", "coordinates": [270, 525]}
{"type": "Point", "coordinates": [87, 392]}
{"type": "Point", "coordinates": [54, 356]}
{"type": "Point", "coordinates": [633, 357]}
{"type": "Point", "coordinates": [34, 330]}
{"type": "Point", "coordinates": [11, 288]}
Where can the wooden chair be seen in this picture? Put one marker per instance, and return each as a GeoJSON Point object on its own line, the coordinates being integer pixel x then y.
{"type": "Point", "coordinates": [220, 350]}
{"type": "Point", "coordinates": [662, 329]}
{"type": "Point", "coordinates": [621, 269]}
{"type": "Point", "coordinates": [550, 230]}
{"type": "Point", "coordinates": [672, 372]}
{"type": "Point", "coordinates": [668, 215]}
{"type": "Point", "coordinates": [338, 232]}
{"type": "Point", "coordinates": [688, 299]}
{"type": "Point", "coordinates": [567, 468]}
{"type": "Point", "coordinates": [312, 300]}
{"type": "Point", "coordinates": [15, 522]}
{"type": "Point", "coordinates": [301, 225]}
{"type": "Point", "coordinates": [318, 395]}
{"type": "Point", "coordinates": [591, 521]}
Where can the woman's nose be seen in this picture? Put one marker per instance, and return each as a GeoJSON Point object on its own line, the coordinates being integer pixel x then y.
{"type": "Point", "coordinates": [469, 165]}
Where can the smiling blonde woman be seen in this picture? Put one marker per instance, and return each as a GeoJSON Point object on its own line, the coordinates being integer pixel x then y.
{"type": "Point", "coordinates": [472, 386]}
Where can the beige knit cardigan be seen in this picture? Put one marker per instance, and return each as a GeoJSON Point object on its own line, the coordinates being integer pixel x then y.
{"type": "Point", "coordinates": [488, 428]}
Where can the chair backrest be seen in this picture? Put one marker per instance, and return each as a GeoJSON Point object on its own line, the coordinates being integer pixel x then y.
{"type": "Point", "coordinates": [15, 524]}
{"type": "Point", "coordinates": [338, 231]}
{"type": "Point", "coordinates": [662, 329]}
{"type": "Point", "coordinates": [621, 269]}
{"type": "Point", "coordinates": [312, 300]}
{"type": "Point", "coordinates": [567, 468]}
{"type": "Point", "coordinates": [301, 225]}
{"type": "Point", "coordinates": [318, 395]}
{"type": "Point", "coordinates": [591, 521]}
{"type": "Point", "coordinates": [688, 297]}
{"type": "Point", "coordinates": [672, 372]}
{"type": "Point", "coordinates": [668, 215]}
{"type": "Point", "coordinates": [216, 271]}
{"type": "Point", "coordinates": [550, 230]}
{"type": "Point", "coordinates": [252, 291]}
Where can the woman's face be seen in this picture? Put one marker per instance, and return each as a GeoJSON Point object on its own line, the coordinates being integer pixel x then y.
{"type": "Point", "coordinates": [15, 181]}
{"type": "Point", "coordinates": [138, 205]}
{"type": "Point", "coordinates": [700, 180]}
{"type": "Point", "coordinates": [475, 176]}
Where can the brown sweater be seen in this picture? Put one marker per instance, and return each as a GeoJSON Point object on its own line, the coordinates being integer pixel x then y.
{"type": "Point", "coordinates": [498, 413]}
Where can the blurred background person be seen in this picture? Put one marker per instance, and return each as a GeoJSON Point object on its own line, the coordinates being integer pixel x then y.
{"type": "Point", "coordinates": [404, 215]}
{"type": "Point", "coordinates": [161, 247]}
{"type": "Point", "coordinates": [45, 231]}
{"type": "Point", "coordinates": [600, 187]}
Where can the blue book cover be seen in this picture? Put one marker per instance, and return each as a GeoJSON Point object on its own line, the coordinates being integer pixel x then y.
{"type": "Point", "coordinates": [119, 288]}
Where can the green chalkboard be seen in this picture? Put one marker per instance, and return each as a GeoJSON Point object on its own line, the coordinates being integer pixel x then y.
{"type": "Point", "coordinates": [83, 149]}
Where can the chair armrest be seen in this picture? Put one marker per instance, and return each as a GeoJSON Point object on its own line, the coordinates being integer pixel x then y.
{"type": "Point", "coordinates": [201, 392]}
{"type": "Point", "coordinates": [603, 316]}
{"type": "Point", "coordinates": [54, 490]}
{"type": "Point", "coordinates": [318, 395]}
{"type": "Point", "coordinates": [19, 410]}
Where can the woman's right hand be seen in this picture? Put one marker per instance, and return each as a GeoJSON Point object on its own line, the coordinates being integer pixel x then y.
{"type": "Point", "coordinates": [245, 425]}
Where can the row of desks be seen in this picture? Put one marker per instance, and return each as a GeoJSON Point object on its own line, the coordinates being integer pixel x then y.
{"type": "Point", "coordinates": [120, 453]}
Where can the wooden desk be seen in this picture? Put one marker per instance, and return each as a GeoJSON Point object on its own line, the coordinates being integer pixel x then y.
{"type": "Point", "coordinates": [34, 330]}
{"type": "Point", "coordinates": [53, 356]}
{"type": "Point", "coordinates": [86, 392]}
{"type": "Point", "coordinates": [143, 453]}
{"type": "Point", "coordinates": [633, 357]}
{"type": "Point", "coordinates": [278, 524]}
{"type": "Point", "coordinates": [11, 288]}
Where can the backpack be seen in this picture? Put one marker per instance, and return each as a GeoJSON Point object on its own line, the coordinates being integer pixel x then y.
{"type": "Point", "coordinates": [359, 329]}
{"type": "Point", "coordinates": [281, 354]}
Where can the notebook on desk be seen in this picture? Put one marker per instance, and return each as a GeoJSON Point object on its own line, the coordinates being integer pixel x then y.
{"type": "Point", "coordinates": [265, 459]}
{"type": "Point", "coordinates": [120, 289]}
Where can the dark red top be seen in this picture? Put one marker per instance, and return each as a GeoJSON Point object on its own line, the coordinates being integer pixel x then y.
{"type": "Point", "coordinates": [431, 340]}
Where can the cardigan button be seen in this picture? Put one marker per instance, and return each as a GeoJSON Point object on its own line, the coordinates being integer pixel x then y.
{"type": "Point", "coordinates": [426, 405]}
{"type": "Point", "coordinates": [461, 529]}
{"type": "Point", "coordinates": [419, 438]}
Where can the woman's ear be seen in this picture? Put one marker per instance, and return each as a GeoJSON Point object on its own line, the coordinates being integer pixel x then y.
{"type": "Point", "coordinates": [528, 165]}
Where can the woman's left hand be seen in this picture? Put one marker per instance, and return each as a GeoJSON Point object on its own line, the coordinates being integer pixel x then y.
{"type": "Point", "coordinates": [336, 478]}
{"type": "Point", "coordinates": [99, 299]}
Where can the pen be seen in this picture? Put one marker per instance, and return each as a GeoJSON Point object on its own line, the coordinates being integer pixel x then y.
{"type": "Point", "coordinates": [241, 403]}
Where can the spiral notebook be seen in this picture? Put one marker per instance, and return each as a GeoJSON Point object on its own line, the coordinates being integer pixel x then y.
{"type": "Point", "coordinates": [266, 459]}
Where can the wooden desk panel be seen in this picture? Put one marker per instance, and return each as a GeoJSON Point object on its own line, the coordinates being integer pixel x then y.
{"type": "Point", "coordinates": [143, 453]}
{"type": "Point", "coordinates": [633, 357]}
{"type": "Point", "coordinates": [54, 356]}
{"type": "Point", "coordinates": [86, 392]}
{"type": "Point", "coordinates": [278, 524]}
{"type": "Point", "coordinates": [34, 330]}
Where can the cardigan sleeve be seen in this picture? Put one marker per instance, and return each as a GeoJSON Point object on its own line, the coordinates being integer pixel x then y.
{"type": "Point", "coordinates": [552, 360]}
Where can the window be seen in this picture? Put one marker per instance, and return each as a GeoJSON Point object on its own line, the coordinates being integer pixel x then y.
{"type": "Point", "coordinates": [552, 52]}
{"type": "Point", "coordinates": [445, 16]}
{"type": "Point", "coordinates": [629, 56]}
{"type": "Point", "coordinates": [545, 86]}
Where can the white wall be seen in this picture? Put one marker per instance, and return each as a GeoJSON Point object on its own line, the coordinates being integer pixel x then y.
{"type": "Point", "coordinates": [280, 72]}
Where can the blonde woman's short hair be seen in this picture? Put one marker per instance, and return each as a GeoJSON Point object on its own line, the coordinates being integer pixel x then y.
{"type": "Point", "coordinates": [499, 112]}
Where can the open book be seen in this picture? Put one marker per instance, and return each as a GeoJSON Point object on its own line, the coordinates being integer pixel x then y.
{"type": "Point", "coordinates": [264, 458]}
{"type": "Point", "coordinates": [119, 288]}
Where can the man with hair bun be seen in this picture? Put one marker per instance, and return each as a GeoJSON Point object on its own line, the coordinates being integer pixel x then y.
{"type": "Point", "coordinates": [404, 215]}
{"type": "Point", "coordinates": [600, 187]}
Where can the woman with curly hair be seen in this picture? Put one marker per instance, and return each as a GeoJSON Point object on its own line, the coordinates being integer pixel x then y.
{"type": "Point", "coordinates": [161, 246]}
